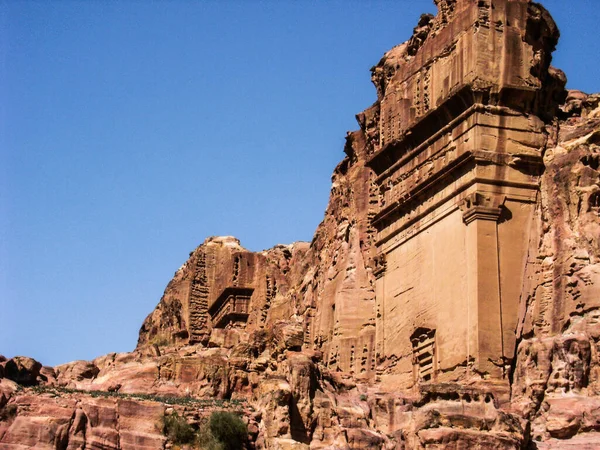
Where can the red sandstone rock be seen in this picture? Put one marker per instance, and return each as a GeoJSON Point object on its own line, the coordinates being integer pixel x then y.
{"type": "Point", "coordinates": [467, 207]}
{"type": "Point", "coordinates": [22, 370]}
{"type": "Point", "coordinates": [76, 371]}
{"type": "Point", "coordinates": [7, 389]}
{"type": "Point", "coordinates": [78, 421]}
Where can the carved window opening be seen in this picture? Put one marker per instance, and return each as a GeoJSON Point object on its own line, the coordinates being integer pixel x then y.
{"type": "Point", "coordinates": [424, 354]}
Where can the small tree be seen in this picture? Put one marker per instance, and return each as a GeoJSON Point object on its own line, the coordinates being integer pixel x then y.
{"type": "Point", "coordinates": [228, 429]}
{"type": "Point", "coordinates": [205, 439]}
{"type": "Point", "coordinates": [178, 430]}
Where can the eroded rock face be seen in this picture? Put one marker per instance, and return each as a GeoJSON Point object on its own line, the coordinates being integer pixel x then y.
{"type": "Point", "coordinates": [21, 369]}
{"type": "Point", "coordinates": [556, 377]}
{"type": "Point", "coordinates": [77, 421]}
{"type": "Point", "coordinates": [214, 290]}
{"type": "Point", "coordinates": [449, 299]}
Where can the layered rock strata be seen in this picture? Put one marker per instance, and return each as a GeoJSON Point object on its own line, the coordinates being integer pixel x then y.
{"type": "Point", "coordinates": [449, 298]}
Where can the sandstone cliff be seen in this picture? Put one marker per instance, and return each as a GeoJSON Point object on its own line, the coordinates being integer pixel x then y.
{"type": "Point", "coordinates": [449, 298]}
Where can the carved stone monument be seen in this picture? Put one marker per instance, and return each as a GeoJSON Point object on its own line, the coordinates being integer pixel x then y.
{"type": "Point", "coordinates": [457, 165]}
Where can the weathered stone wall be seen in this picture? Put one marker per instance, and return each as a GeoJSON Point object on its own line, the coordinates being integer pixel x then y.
{"type": "Point", "coordinates": [338, 291]}
{"type": "Point", "coordinates": [556, 382]}
{"type": "Point", "coordinates": [457, 167]}
{"type": "Point", "coordinates": [183, 314]}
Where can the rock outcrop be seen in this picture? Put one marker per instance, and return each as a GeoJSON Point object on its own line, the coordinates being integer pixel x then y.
{"type": "Point", "coordinates": [449, 299]}
{"type": "Point", "coordinates": [556, 383]}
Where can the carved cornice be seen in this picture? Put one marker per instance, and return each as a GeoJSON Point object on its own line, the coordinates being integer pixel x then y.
{"type": "Point", "coordinates": [467, 161]}
{"type": "Point", "coordinates": [477, 206]}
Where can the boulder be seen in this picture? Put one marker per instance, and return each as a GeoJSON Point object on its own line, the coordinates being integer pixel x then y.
{"type": "Point", "coordinates": [22, 370]}
{"type": "Point", "coordinates": [76, 371]}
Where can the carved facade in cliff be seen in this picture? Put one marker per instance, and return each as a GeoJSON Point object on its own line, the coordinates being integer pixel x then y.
{"type": "Point", "coordinates": [428, 225]}
{"type": "Point", "coordinates": [231, 308]}
{"type": "Point", "coordinates": [457, 166]}
{"type": "Point", "coordinates": [222, 285]}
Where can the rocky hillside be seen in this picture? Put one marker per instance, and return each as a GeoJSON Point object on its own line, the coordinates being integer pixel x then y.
{"type": "Point", "coordinates": [291, 338]}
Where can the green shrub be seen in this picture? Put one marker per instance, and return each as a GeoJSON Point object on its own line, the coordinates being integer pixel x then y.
{"type": "Point", "coordinates": [228, 429]}
{"type": "Point", "coordinates": [205, 439]}
{"type": "Point", "coordinates": [160, 340]}
{"type": "Point", "coordinates": [178, 430]}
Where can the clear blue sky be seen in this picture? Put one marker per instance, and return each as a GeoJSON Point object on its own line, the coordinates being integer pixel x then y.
{"type": "Point", "coordinates": [130, 131]}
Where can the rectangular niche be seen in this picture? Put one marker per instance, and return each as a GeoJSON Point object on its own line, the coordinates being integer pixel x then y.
{"type": "Point", "coordinates": [231, 307]}
{"type": "Point", "coordinates": [424, 355]}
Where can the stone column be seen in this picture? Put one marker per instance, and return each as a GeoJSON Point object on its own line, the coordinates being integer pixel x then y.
{"type": "Point", "coordinates": [379, 272]}
{"type": "Point", "coordinates": [480, 214]}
